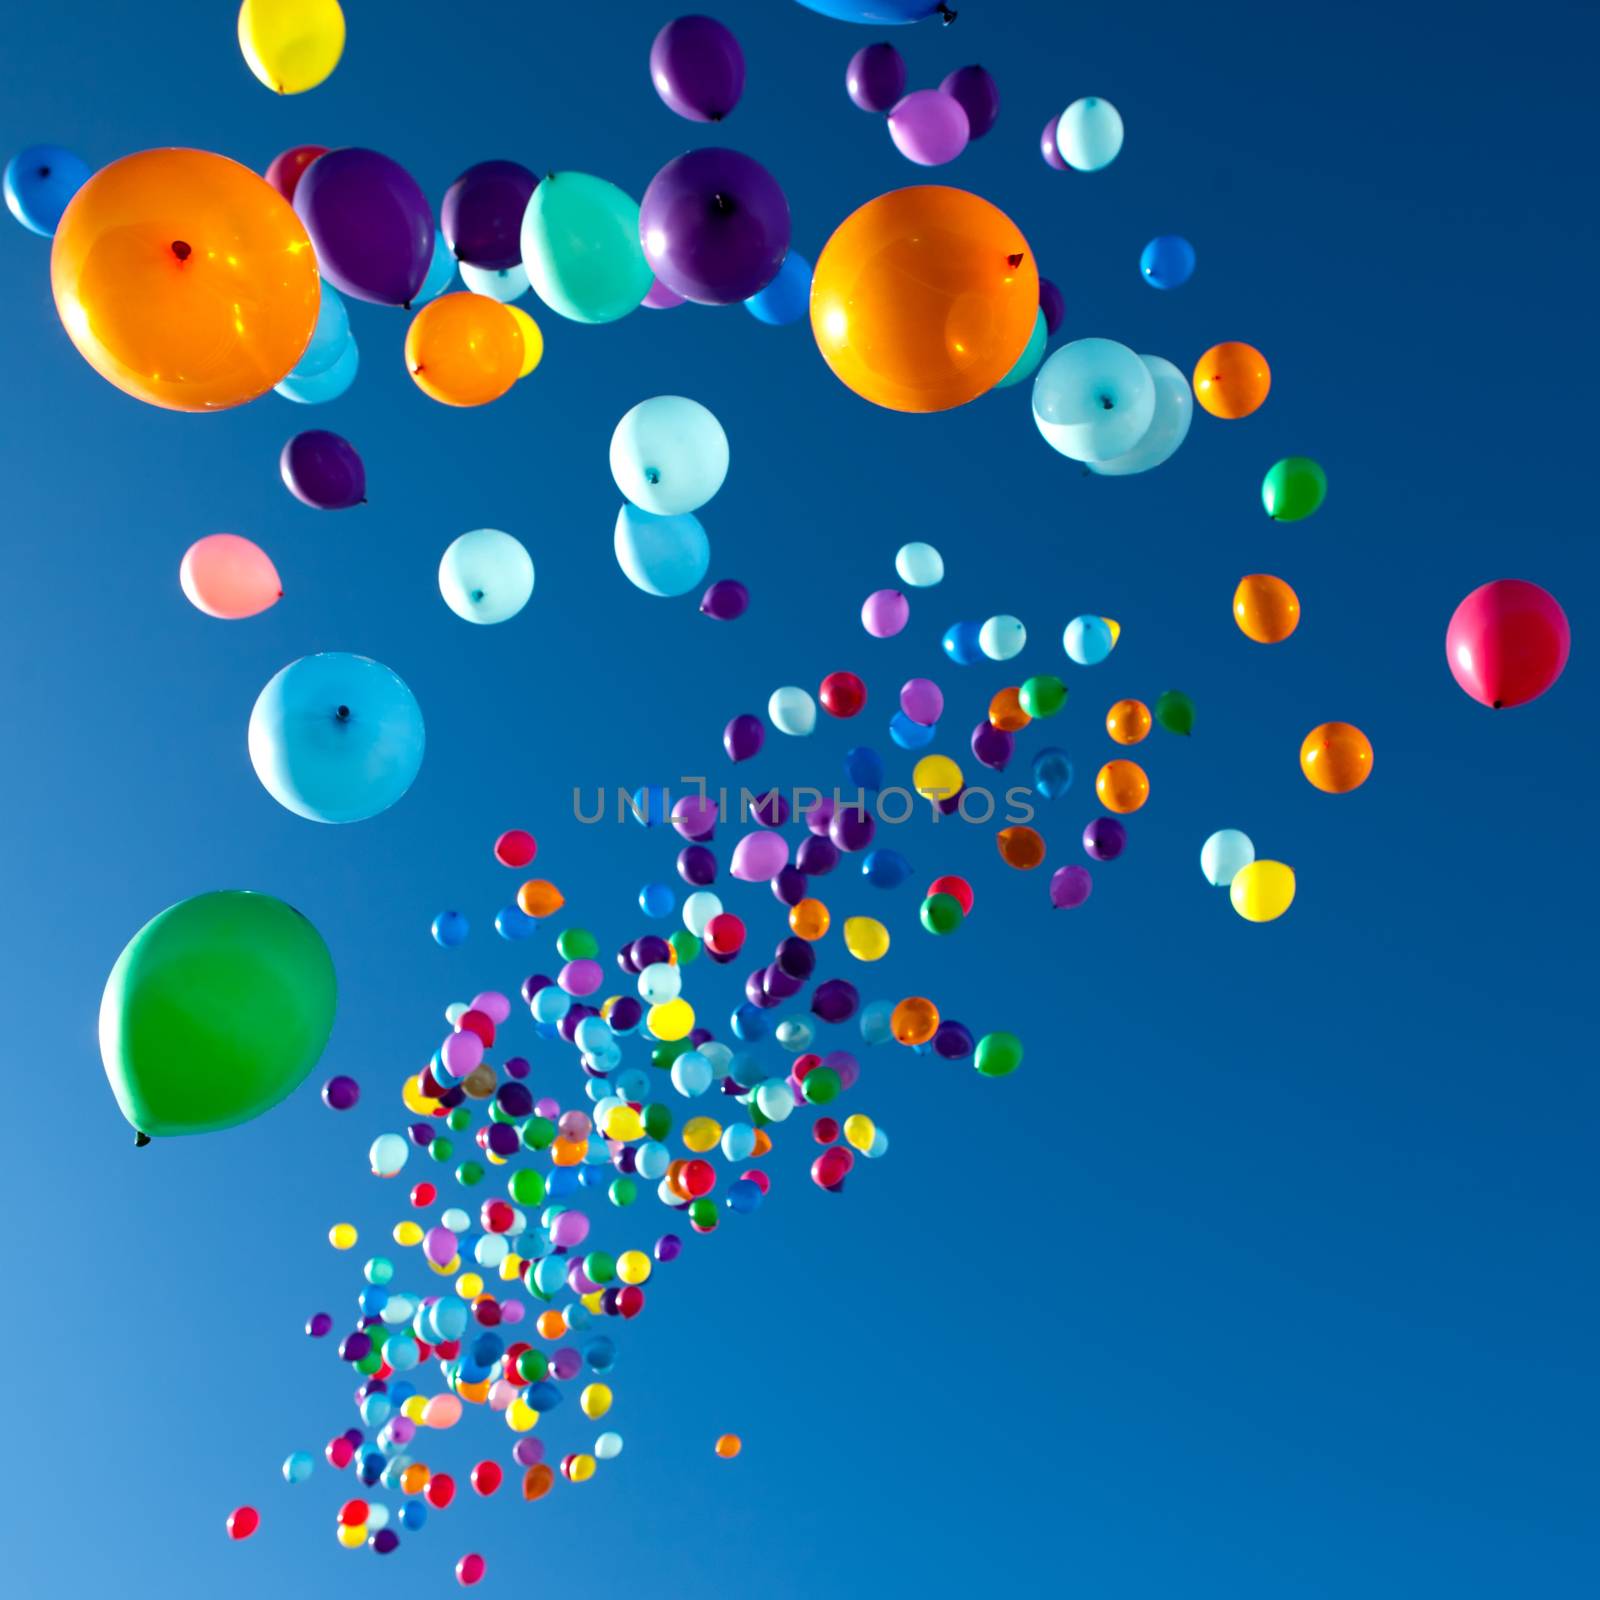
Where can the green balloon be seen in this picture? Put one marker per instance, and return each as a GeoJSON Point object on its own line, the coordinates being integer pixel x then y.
{"type": "Point", "coordinates": [215, 1011]}
{"type": "Point", "coordinates": [440, 1150]}
{"type": "Point", "coordinates": [998, 1054]}
{"type": "Point", "coordinates": [942, 913]}
{"type": "Point", "coordinates": [1042, 696]}
{"type": "Point", "coordinates": [1293, 488]}
{"type": "Point", "coordinates": [580, 245]}
{"type": "Point", "coordinates": [527, 1187]}
{"type": "Point", "coordinates": [469, 1173]}
{"type": "Point", "coordinates": [702, 1212]}
{"type": "Point", "coordinates": [1175, 711]}
{"type": "Point", "coordinates": [820, 1086]}
{"type": "Point", "coordinates": [538, 1133]}
{"type": "Point", "coordinates": [657, 1120]}
{"type": "Point", "coordinates": [686, 945]}
{"type": "Point", "coordinates": [600, 1266]}
{"type": "Point", "coordinates": [577, 944]}
{"type": "Point", "coordinates": [623, 1191]}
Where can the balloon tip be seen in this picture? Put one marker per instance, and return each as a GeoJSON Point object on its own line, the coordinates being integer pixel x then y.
{"type": "Point", "coordinates": [140, 1139]}
{"type": "Point", "coordinates": [1497, 705]}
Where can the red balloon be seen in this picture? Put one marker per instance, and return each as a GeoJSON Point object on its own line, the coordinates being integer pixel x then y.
{"type": "Point", "coordinates": [285, 172]}
{"type": "Point", "coordinates": [441, 1488]}
{"type": "Point", "coordinates": [470, 1569]}
{"type": "Point", "coordinates": [339, 1452]}
{"type": "Point", "coordinates": [354, 1513]}
{"type": "Point", "coordinates": [516, 847]}
{"type": "Point", "coordinates": [497, 1216]}
{"type": "Point", "coordinates": [487, 1476]}
{"type": "Point", "coordinates": [243, 1521]}
{"type": "Point", "coordinates": [952, 885]}
{"type": "Point", "coordinates": [423, 1194]}
{"type": "Point", "coordinates": [630, 1300]}
{"type": "Point", "coordinates": [825, 1130]}
{"type": "Point", "coordinates": [724, 934]}
{"type": "Point", "coordinates": [698, 1178]}
{"type": "Point", "coordinates": [480, 1023]}
{"type": "Point", "coordinates": [831, 1168]}
{"type": "Point", "coordinates": [1507, 642]}
{"type": "Point", "coordinates": [842, 694]}
{"type": "Point", "coordinates": [756, 1176]}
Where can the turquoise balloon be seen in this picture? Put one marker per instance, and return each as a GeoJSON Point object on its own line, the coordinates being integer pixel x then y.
{"type": "Point", "coordinates": [1089, 134]}
{"type": "Point", "coordinates": [877, 1022]}
{"type": "Point", "coordinates": [1032, 354]}
{"type": "Point", "coordinates": [1094, 399]}
{"type": "Point", "coordinates": [661, 555]}
{"type": "Point", "coordinates": [738, 1141]}
{"type": "Point", "coordinates": [1225, 855]}
{"type": "Point", "coordinates": [486, 576]}
{"type": "Point", "coordinates": [581, 248]}
{"type": "Point", "coordinates": [504, 284]}
{"type": "Point", "coordinates": [787, 298]}
{"type": "Point", "coordinates": [1168, 428]}
{"type": "Point", "coordinates": [324, 386]}
{"type": "Point", "coordinates": [1052, 773]}
{"type": "Point", "coordinates": [441, 272]}
{"type": "Point", "coordinates": [1088, 640]}
{"type": "Point", "coordinates": [328, 338]}
{"type": "Point", "coordinates": [297, 1465]}
{"type": "Point", "coordinates": [336, 738]}
{"type": "Point", "coordinates": [669, 455]}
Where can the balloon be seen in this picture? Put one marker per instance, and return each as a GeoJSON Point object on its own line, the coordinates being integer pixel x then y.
{"type": "Point", "coordinates": [728, 1445]}
{"type": "Point", "coordinates": [370, 223]}
{"type": "Point", "coordinates": [323, 471]}
{"type": "Point", "coordinates": [318, 388]}
{"type": "Point", "coordinates": [581, 246]}
{"type": "Point", "coordinates": [914, 1021]}
{"type": "Point", "coordinates": [1169, 427]}
{"type": "Point", "coordinates": [341, 1093]}
{"type": "Point", "coordinates": [1052, 773]}
{"type": "Point", "coordinates": [697, 68]}
{"type": "Point", "coordinates": [960, 643]}
{"type": "Point", "coordinates": [1042, 696]}
{"type": "Point", "coordinates": [669, 455]}
{"type": "Point", "coordinates": [1002, 637]}
{"type": "Point", "coordinates": [866, 938]}
{"type": "Point", "coordinates": [725, 601]}
{"type": "Point", "coordinates": [470, 1569]}
{"type": "Point", "coordinates": [929, 127]}
{"type": "Point", "coordinates": [532, 341]}
{"type": "Point", "coordinates": [742, 738]}
{"type": "Point", "coordinates": [503, 284]}
{"type": "Point", "coordinates": [297, 1466]}
{"type": "Point", "coordinates": [661, 555]}
{"type": "Point", "coordinates": [449, 929]}
{"type": "Point", "coordinates": [1122, 786]}
{"type": "Point", "coordinates": [875, 79]}
{"type": "Point", "coordinates": [1049, 149]}
{"type": "Point", "coordinates": [1070, 887]}
{"type": "Point", "coordinates": [1507, 642]}
{"type": "Point", "coordinates": [336, 737]}
{"type": "Point", "coordinates": [792, 711]}
{"type": "Point", "coordinates": [1089, 134]}
{"type": "Point", "coordinates": [715, 226]}
{"type": "Point", "coordinates": [464, 350]}
{"type": "Point", "coordinates": [328, 338]}
{"type": "Point", "coordinates": [919, 565]}
{"type": "Point", "coordinates": [787, 298]}
{"type": "Point", "coordinates": [481, 217]}
{"type": "Point", "coordinates": [922, 700]}
{"type": "Point", "coordinates": [1231, 380]}
{"type": "Point", "coordinates": [486, 576]}
{"type": "Point", "coordinates": [661, 298]}
{"type": "Point", "coordinates": [998, 1054]}
{"type": "Point", "coordinates": [941, 913]}
{"type": "Point", "coordinates": [243, 1520]}
{"type": "Point", "coordinates": [227, 576]}
{"type": "Point", "coordinates": [285, 169]}
{"type": "Point", "coordinates": [441, 272]}
{"type": "Point", "coordinates": [879, 11]}
{"type": "Point", "coordinates": [1094, 400]}
{"type": "Point", "coordinates": [910, 735]}
{"type": "Point", "coordinates": [1020, 847]}
{"type": "Point", "coordinates": [1293, 489]}
{"type": "Point", "coordinates": [885, 612]}
{"type": "Point", "coordinates": [924, 299]}
{"type": "Point", "coordinates": [1262, 891]}
{"type": "Point", "coordinates": [1336, 757]}
{"type": "Point", "coordinates": [291, 45]}
{"type": "Point", "coordinates": [1167, 262]}
{"type": "Point", "coordinates": [1266, 608]}
{"type": "Point", "coordinates": [1175, 711]}
{"type": "Point", "coordinates": [39, 181]}
{"type": "Point", "coordinates": [1032, 354]}
{"type": "Point", "coordinates": [214, 1012]}
{"type": "Point", "coordinates": [1089, 640]}
{"type": "Point", "coordinates": [1054, 305]}
{"type": "Point", "coordinates": [184, 279]}
{"type": "Point", "coordinates": [1225, 855]}
{"type": "Point", "coordinates": [1128, 721]}
{"type": "Point", "coordinates": [936, 778]}
{"type": "Point", "coordinates": [975, 91]}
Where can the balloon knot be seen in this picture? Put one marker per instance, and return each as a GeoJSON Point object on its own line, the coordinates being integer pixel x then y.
{"type": "Point", "coordinates": [140, 1140]}
{"type": "Point", "coordinates": [1498, 705]}
{"type": "Point", "coordinates": [1014, 261]}
{"type": "Point", "coordinates": [721, 203]}
{"type": "Point", "coordinates": [181, 249]}
{"type": "Point", "coordinates": [946, 15]}
{"type": "Point", "coordinates": [342, 713]}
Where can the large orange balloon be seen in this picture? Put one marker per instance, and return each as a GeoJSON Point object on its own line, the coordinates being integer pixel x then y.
{"type": "Point", "coordinates": [1266, 608]}
{"type": "Point", "coordinates": [924, 299]}
{"type": "Point", "coordinates": [1231, 380]}
{"type": "Point", "coordinates": [1336, 757]}
{"type": "Point", "coordinates": [914, 1021]}
{"type": "Point", "coordinates": [1122, 786]}
{"type": "Point", "coordinates": [464, 349]}
{"type": "Point", "coordinates": [1128, 721]}
{"type": "Point", "coordinates": [185, 279]}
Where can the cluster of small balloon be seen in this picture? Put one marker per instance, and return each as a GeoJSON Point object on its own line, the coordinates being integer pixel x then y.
{"type": "Point", "coordinates": [929, 127]}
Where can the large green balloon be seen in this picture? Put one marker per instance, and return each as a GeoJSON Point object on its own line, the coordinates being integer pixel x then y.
{"type": "Point", "coordinates": [1293, 488]}
{"type": "Point", "coordinates": [215, 1012]}
{"type": "Point", "coordinates": [581, 248]}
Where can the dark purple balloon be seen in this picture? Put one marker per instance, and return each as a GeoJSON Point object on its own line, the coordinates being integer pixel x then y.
{"type": "Point", "coordinates": [953, 1041]}
{"type": "Point", "coordinates": [992, 746]}
{"type": "Point", "coordinates": [817, 857]}
{"type": "Point", "coordinates": [698, 68]}
{"type": "Point", "coordinates": [743, 737]}
{"type": "Point", "coordinates": [385, 1540]}
{"type": "Point", "coordinates": [977, 94]}
{"type": "Point", "coordinates": [370, 225]}
{"type": "Point", "coordinates": [700, 1036]}
{"type": "Point", "coordinates": [771, 810]}
{"type": "Point", "coordinates": [755, 991]}
{"type": "Point", "coordinates": [340, 1093]}
{"type": "Point", "coordinates": [779, 984]}
{"type": "Point", "coordinates": [1054, 305]}
{"type": "Point", "coordinates": [669, 1247]}
{"type": "Point", "coordinates": [851, 829]}
{"type": "Point", "coordinates": [420, 1134]}
{"type": "Point", "coordinates": [515, 1099]}
{"type": "Point", "coordinates": [726, 599]}
{"type": "Point", "coordinates": [481, 218]}
{"type": "Point", "coordinates": [504, 1139]}
{"type": "Point", "coordinates": [1105, 839]}
{"type": "Point", "coordinates": [790, 886]}
{"type": "Point", "coordinates": [1069, 887]}
{"type": "Point", "coordinates": [626, 1013]}
{"type": "Point", "coordinates": [818, 815]}
{"type": "Point", "coordinates": [796, 957]}
{"type": "Point", "coordinates": [323, 471]}
{"type": "Point", "coordinates": [354, 1345]}
{"type": "Point", "coordinates": [836, 1000]}
{"type": "Point", "coordinates": [650, 951]}
{"type": "Point", "coordinates": [950, 804]}
{"type": "Point", "coordinates": [876, 77]}
{"type": "Point", "coordinates": [714, 225]}
{"type": "Point", "coordinates": [517, 1066]}
{"type": "Point", "coordinates": [319, 1325]}
{"type": "Point", "coordinates": [532, 984]}
{"type": "Point", "coordinates": [697, 865]}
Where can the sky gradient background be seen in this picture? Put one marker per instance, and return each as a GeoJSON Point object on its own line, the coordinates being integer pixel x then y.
{"type": "Point", "coordinates": [1271, 1273]}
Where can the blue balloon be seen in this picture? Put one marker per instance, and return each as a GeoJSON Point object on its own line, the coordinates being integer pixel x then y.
{"type": "Point", "coordinates": [1088, 640]}
{"type": "Point", "coordinates": [863, 766]}
{"type": "Point", "coordinates": [328, 338]}
{"type": "Point", "coordinates": [1052, 773]}
{"type": "Point", "coordinates": [600, 1353]}
{"type": "Point", "coordinates": [650, 805]}
{"type": "Point", "coordinates": [885, 869]}
{"type": "Point", "coordinates": [657, 900]}
{"type": "Point", "coordinates": [1168, 430]}
{"type": "Point", "coordinates": [1094, 399]}
{"type": "Point", "coordinates": [551, 1004]}
{"type": "Point", "coordinates": [911, 735]}
{"type": "Point", "coordinates": [441, 272]}
{"type": "Point", "coordinates": [512, 922]}
{"type": "Point", "coordinates": [336, 737]}
{"type": "Point", "coordinates": [297, 1466]}
{"type": "Point", "coordinates": [787, 298]}
{"type": "Point", "coordinates": [750, 1023]}
{"type": "Point", "coordinates": [413, 1514]}
{"type": "Point", "coordinates": [743, 1197]}
{"type": "Point", "coordinates": [39, 182]}
{"type": "Point", "coordinates": [876, 1021]}
{"type": "Point", "coordinates": [324, 386]}
{"type": "Point", "coordinates": [449, 929]}
{"type": "Point", "coordinates": [875, 11]}
{"type": "Point", "coordinates": [1167, 262]}
{"type": "Point", "coordinates": [661, 555]}
{"type": "Point", "coordinates": [961, 643]}
{"type": "Point", "coordinates": [504, 284]}
{"type": "Point", "coordinates": [561, 1184]}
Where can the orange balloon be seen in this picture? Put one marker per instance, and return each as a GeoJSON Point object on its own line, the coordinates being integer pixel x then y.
{"type": "Point", "coordinates": [1021, 848]}
{"type": "Point", "coordinates": [924, 299]}
{"type": "Point", "coordinates": [414, 1479]}
{"type": "Point", "coordinates": [763, 1143]}
{"type": "Point", "coordinates": [538, 1481]}
{"type": "Point", "coordinates": [729, 1445]}
{"type": "Point", "coordinates": [1006, 713]}
{"type": "Point", "coordinates": [464, 349]}
{"type": "Point", "coordinates": [1231, 380]}
{"type": "Point", "coordinates": [565, 1152]}
{"type": "Point", "coordinates": [540, 898]}
{"type": "Point", "coordinates": [551, 1325]}
{"type": "Point", "coordinates": [1122, 786]}
{"type": "Point", "coordinates": [914, 1021]}
{"type": "Point", "coordinates": [808, 919]}
{"type": "Point", "coordinates": [1266, 608]}
{"type": "Point", "coordinates": [185, 279]}
{"type": "Point", "coordinates": [1128, 721]}
{"type": "Point", "coordinates": [1336, 757]}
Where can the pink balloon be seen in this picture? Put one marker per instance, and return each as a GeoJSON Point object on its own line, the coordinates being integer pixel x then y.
{"type": "Point", "coordinates": [439, 1246]}
{"type": "Point", "coordinates": [759, 857]}
{"type": "Point", "coordinates": [929, 127]}
{"type": "Point", "coordinates": [226, 576]}
{"type": "Point", "coordinates": [492, 1004]}
{"type": "Point", "coordinates": [922, 700]}
{"type": "Point", "coordinates": [569, 1229]}
{"type": "Point", "coordinates": [885, 612]}
{"type": "Point", "coordinates": [1507, 642]}
{"type": "Point", "coordinates": [582, 976]}
{"type": "Point", "coordinates": [442, 1411]}
{"type": "Point", "coordinates": [461, 1053]}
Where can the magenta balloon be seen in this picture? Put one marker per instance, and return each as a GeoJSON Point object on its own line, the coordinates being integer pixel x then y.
{"type": "Point", "coordinates": [929, 127]}
{"type": "Point", "coordinates": [694, 816]}
{"type": "Point", "coordinates": [1507, 642]}
{"type": "Point", "coordinates": [977, 94]}
{"type": "Point", "coordinates": [875, 80]}
{"type": "Point", "coordinates": [323, 471]}
{"type": "Point", "coordinates": [461, 1053]}
{"type": "Point", "coordinates": [1069, 887]}
{"type": "Point", "coordinates": [661, 298]}
{"type": "Point", "coordinates": [885, 612]}
{"type": "Point", "coordinates": [439, 1246]}
{"type": "Point", "coordinates": [370, 225]}
{"type": "Point", "coordinates": [581, 977]}
{"type": "Point", "coordinates": [481, 217]}
{"type": "Point", "coordinates": [922, 700]}
{"type": "Point", "coordinates": [759, 856]}
{"type": "Point", "coordinates": [1047, 146]}
{"type": "Point", "coordinates": [569, 1229]}
{"type": "Point", "coordinates": [698, 68]}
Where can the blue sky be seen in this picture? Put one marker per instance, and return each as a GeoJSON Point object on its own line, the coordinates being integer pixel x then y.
{"type": "Point", "coordinates": [1271, 1272]}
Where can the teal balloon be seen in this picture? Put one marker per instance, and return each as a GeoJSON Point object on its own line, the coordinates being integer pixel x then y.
{"type": "Point", "coordinates": [1052, 773]}
{"type": "Point", "coordinates": [504, 284]}
{"type": "Point", "coordinates": [1225, 855]}
{"type": "Point", "coordinates": [1169, 427]}
{"type": "Point", "coordinates": [661, 555]}
{"type": "Point", "coordinates": [1089, 134]}
{"type": "Point", "coordinates": [323, 386]}
{"type": "Point", "coordinates": [1094, 399]}
{"type": "Point", "coordinates": [441, 272]}
{"type": "Point", "coordinates": [581, 248]}
{"type": "Point", "coordinates": [336, 738]}
{"type": "Point", "coordinates": [215, 1011]}
{"type": "Point", "coordinates": [1032, 354]}
{"type": "Point", "coordinates": [328, 338]}
{"type": "Point", "coordinates": [1088, 640]}
{"type": "Point", "coordinates": [787, 298]}
{"type": "Point", "coordinates": [297, 1466]}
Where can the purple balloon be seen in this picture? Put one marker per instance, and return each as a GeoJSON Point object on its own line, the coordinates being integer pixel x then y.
{"type": "Point", "coordinates": [503, 1139]}
{"type": "Point", "coordinates": [625, 1015]}
{"type": "Point", "coordinates": [1105, 839]}
{"type": "Point", "coordinates": [649, 951]}
{"type": "Point", "coordinates": [481, 218]}
{"type": "Point", "coordinates": [953, 1040]}
{"type": "Point", "coordinates": [992, 746]}
{"type": "Point", "coordinates": [977, 94]}
{"type": "Point", "coordinates": [922, 700]}
{"type": "Point", "coordinates": [527, 1451]}
{"type": "Point", "coordinates": [876, 77]}
{"type": "Point", "coordinates": [340, 1093]}
{"type": "Point", "coordinates": [698, 68]}
{"type": "Point", "coordinates": [370, 224]}
{"type": "Point", "coordinates": [694, 816]}
{"type": "Point", "coordinates": [851, 828]}
{"type": "Point", "coordinates": [929, 127]}
{"type": "Point", "coordinates": [669, 1247]}
{"type": "Point", "coordinates": [771, 810]}
{"type": "Point", "coordinates": [1054, 305]}
{"type": "Point", "coordinates": [1069, 887]}
{"type": "Point", "coordinates": [1047, 146]}
{"type": "Point", "coordinates": [726, 599]}
{"type": "Point", "coordinates": [790, 886]}
{"type": "Point", "coordinates": [759, 856]}
{"type": "Point", "coordinates": [817, 857]}
{"type": "Point", "coordinates": [661, 298]}
{"type": "Point", "coordinates": [743, 737]}
{"type": "Point", "coordinates": [779, 984]}
{"type": "Point", "coordinates": [319, 1325]}
{"type": "Point", "coordinates": [697, 865]}
{"type": "Point", "coordinates": [836, 1000]}
{"type": "Point", "coordinates": [796, 957]}
{"type": "Point", "coordinates": [885, 612]}
{"type": "Point", "coordinates": [323, 471]}
{"type": "Point", "coordinates": [818, 815]}
{"type": "Point", "coordinates": [714, 225]}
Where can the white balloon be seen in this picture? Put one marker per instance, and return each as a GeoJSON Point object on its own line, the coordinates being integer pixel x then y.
{"type": "Point", "coordinates": [792, 711]}
{"type": "Point", "coordinates": [698, 910]}
{"type": "Point", "coordinates": [1168, 428]}
{"type": "Point", "coordinates": [669, 455]}
{"type": "Point", "coordinates": [486, 576]}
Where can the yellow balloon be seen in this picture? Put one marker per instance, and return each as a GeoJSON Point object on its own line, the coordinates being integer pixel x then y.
{"type": "Point", "coordinates": [469, 1286]}
{"type": "Point", "coordinates": [1116, 629]}
{"type": "Point", "coordinates": [936, 778]}
{"type": "Point", "coordinates": [672, 1019]}
{"type": "Point", "coordinates": [520, 1416]}
{"type": "Point", "coordinates": [866, 938]}
{"type": "Point", "coordinates": [352, 1538]}
{"type": "Point", "coordinates": [453, 1265]}
{"type": "Point", "coordinates": [511, 1268]}
{"type": "Point", "coordinates": [1262, 891]}
{"type": "Point", "coordinates": [701, 1134]}
{"type": "Point", "coordinates": [412, 1407]}
{"type": "Point", "coordinates": [291, 45]}
{"type": "Point", "coordinates": [633, 1266]}
{"type": "Point", "coordinates": [342, 1236]}
{"type": "Point", "coordinates": [623, 1122]}
{"type": "Point", "coordinates": [415, 1100]}
{"type": "Point", "coordinates": [581, 1468]}
{"type": "Point", "coordinates": [532, 354]}
{"type": "Point", "coordinates": [595, 1400]}
{"type": "Point", "coordinates": [408, 1232]}
{"type": "Point", "coordinates": [592, 1300]}
{"type": "Point", "coordinates": [859, 1130]}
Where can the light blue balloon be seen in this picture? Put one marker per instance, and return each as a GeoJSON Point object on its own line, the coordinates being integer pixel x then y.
{"type": "Point", "coordinates": [1002, 637]}
{"type": "Point", "coordinates": [775, 1100]}
{"type": "Point", "coordinates": [297, 1466]}
{"type": "Point", "coordinates": [441, 272]}
{"type": "Point", "coordinates": [551, 1004]}
{"type": "Point", "coordinates": [450, 929]}
{"type": "Point", "coordinates": [1093, 399]}
{"type": "Point", "coordinates": [634, 1084]}
{"type": "Point", "coordinates": [1032, 354]}
{"type": "Point", "coordinates": [550, 1275]}
{"type": "Point", "coordinates": [336, 737]}
{"type": "Point", "coordinates": [328, 338]}
{"type": "Point", "coordinates": [1052, 773]}
{"type": "Point", "coordinates": [662, 555]}
{"type": "Point", "coordinates": [878, 1145]}
{"type": "Point", "coordinates": [323, 386]}
{"type": "Point", "coordinates": [657, 900]}
{"type": "Point", "coordinates": [1089, 134]}
{"type": "Point", "coordinates": [738, 1141]}
{"type": "Point", "coordinates": [669, 455]}
{"type": "Point", "coordinates": [911, 735]}
{"type": "Point", "coordinates": [608, 1446]}
{"type": "Point", "coordinates": [504, 284]}
{"type": "Point", "coordinates": [691, 1074]}
{"type": "Point", "coordinates": [874, 11]}
{"type": "Point", "coordinates": [787, 298]}
{"type": "Point", "coordinates": [1088, 640]}
{"type": "Point", "coordinates": [1225, 855]}
{"type": "Point", "coordinates": [795, 1035]}
{"type": "Point", "coordinates": [651, 1159]}
{"type": "Point", "coordinates": [1168, 428]}
{"type": "Point", "coordinates": [592, 1034]}
{"type": "Point", "coordinates": [39, 181]}
{"type": "Point", "coordinates": [919, 565]}
{"type": "Point", "coordinates": [875, 1022]}
{"type": "Point", "coordinates": [486, 576]}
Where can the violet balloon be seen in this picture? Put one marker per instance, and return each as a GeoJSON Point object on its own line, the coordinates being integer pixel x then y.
{"type": "Point", "coordinates": [698, 68]}
{"type": "Point", "coordinates": [369, 224]}
{"type": "Point", "coordinates": [993, 746]}
{"type": "Point", "coordinates": [660, 298]}
{"type": "Point", "coordinates": [715, 226]}
{"type": "Point", "coordinates": [323, 471]}
{"type": "Point", "coordinates": [976, 92]}
{"type": "Point", "coordinates": [1070, 887]}
{"type": "Point", "coordinates": [1105, 839]}
{"type": "Point", "coordinates": [725, 600]}
{"type": "Point", "coordinates": [481, 218]}
{"type": "Point", "coordinates": [1054, 305]}
{"type": "Point", "coordinates": [875, 80]}
{"type": "Point", "coordinates": [1047, 146]}
{"type": "Point", "coordinates": [743, 737]}
{"type": "Point", "coordinates": [929, 127]}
